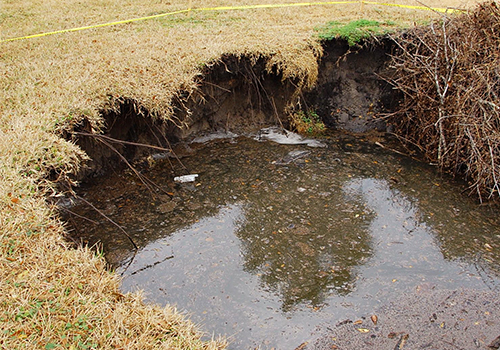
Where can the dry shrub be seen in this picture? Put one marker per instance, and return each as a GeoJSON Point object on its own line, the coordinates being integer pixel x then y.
{"type": "Point", "coordinates": [449, 74]}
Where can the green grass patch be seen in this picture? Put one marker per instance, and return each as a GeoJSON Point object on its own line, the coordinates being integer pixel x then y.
{"type": "Point", "coordinates": [355, 31]}
{"type": "Point", "coordinates": [307, 123]}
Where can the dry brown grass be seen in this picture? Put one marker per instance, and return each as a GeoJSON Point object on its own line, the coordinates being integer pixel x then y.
{"type": "Point", "coordinates": [50, 294]}
{"type": "Point", "coordinates": [53, 295]}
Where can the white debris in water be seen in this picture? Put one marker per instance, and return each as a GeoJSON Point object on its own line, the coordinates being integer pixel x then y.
{"type": "Point", "coordinates": [186, 178]}
{"type": "Point", "coordinates": [160, 156]}
{"type": "Point", "coordinates": [215, 136]}
{"type": "Point", "coordinates": [285, 137]}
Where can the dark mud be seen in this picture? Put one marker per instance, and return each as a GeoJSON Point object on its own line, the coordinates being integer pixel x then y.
{"type": "Point", "coordinates": [350, 93]}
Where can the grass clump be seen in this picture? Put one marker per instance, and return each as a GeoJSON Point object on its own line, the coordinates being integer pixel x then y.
{"type": "Point", "coordinates": [355, 31]}
{"type": "Point", "coordinates": [308, 123]}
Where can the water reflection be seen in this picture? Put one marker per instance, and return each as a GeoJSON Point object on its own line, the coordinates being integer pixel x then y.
{"type": "Point", "coordinates": [306, 258]}
{"type": "Point", "coordinates": [406, 251]}
{"type": "Point", "coordinates": [266, 247]}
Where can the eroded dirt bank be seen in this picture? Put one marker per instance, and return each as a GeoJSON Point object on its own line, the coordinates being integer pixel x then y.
{"type": "Point", "coordinates": [240, 95]}
{"type": "Point", "coordinates": [350, 93]}
{"type": "Point", "coordinates": [243, 94]}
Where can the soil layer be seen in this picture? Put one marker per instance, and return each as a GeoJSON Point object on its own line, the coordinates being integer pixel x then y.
{"type": "Point", "coordinates": [241, 94]}
{"type": "Point", "coordinates": [350, 93]}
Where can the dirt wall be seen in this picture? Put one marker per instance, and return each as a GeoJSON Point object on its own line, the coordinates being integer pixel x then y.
{"type": "Point", "coordinates": [350, 93]}
{"type": "Point", "coordinates": [241, 94]}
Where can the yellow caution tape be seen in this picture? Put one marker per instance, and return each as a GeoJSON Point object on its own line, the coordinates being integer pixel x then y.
{"type": "Point", "coordinates": [435, 9]}
{"type": "Point", "coordinates": [94, 26]}
{"type": "Point", "coordinates": [228, 8]}
{"type": "Point", "coordinates": [247, 7]}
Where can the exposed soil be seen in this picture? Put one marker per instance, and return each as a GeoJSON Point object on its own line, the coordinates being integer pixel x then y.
{"type": "Point", "coordinates": [461, 319]}
{"type": "Point", "coordinates": [239, 94]}
{"type": "Point", "coordinates": [350, 93]}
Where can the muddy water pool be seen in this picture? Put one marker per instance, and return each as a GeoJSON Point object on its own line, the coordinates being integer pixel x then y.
{"type": "Point", "coordinates": [273, 243]}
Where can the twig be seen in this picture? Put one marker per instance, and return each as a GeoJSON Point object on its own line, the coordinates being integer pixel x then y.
{"type": "Point", "coordinates": [131, 260]}
{"type": "Point", "coordinates": [99, 136]}
{"type": "Point", "coordinates": [110, 220]}
{"type": "Point", "coordinates": [145, 180]}
{"type": "Point", "coordinates": [257, 83]}
{"type": "Point", "coordinates": [408, 141]}
{"type": "Point", "coordinates": [217, 86]}
{"type": "Point", "coordinates": [391, 149]}
{"type": "Point", "coordinates": [493, 172]}
{"type": "Point", "coordinates": [139, 175]}
{"type": "Point", "coordinates": [152, 265]}
{"type": "Point", "coordinates": [277, 115]}
{"type": "Point", "coordinates": [80, 216]}
{"type": "Point", "coordinates": [169, 145]}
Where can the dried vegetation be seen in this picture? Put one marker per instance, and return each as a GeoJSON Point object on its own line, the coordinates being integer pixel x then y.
{"type": "Point", "coordinates": [450, 75]}
{"type": "Point", "coordinates": [55, 297]}
{"type": "Point", "coordinates": [59, 298]}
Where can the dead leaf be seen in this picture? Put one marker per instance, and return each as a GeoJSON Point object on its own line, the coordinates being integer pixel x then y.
{"type": "Point", "coordinates": [495, 344]}
{"type": "Point", "coordinates": [402, 341]}
{"type": "Point", "coordinates": [363, 330]}
{"type": "Point", "coordinates": [374, 319]}
{"type": "Point", "coordinates": [301, 346]}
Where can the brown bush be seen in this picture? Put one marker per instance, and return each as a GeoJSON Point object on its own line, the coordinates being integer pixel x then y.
{"type": "Point", "coordinates": [449, 74]}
